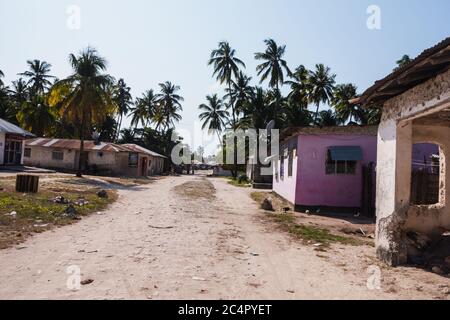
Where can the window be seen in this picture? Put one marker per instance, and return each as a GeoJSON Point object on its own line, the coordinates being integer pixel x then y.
{"type": "Point", "coordinates": [58, 155]}
{"type": "Point", "coordinates": [290, 162]}
{"type": "Point", "coordinates": [99, 154]}
{"type": "Point", "coordinates": [343, 160]}
{"type": "Point", "coordinates": [27, 153]}
{"type": "Point", "coordinates": [133, 159]}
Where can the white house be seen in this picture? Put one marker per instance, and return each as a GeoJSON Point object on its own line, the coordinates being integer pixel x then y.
{"type": "Point", "coordinates": [12, 143]}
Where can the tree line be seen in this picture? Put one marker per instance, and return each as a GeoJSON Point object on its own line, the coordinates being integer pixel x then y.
{"type": "Point", "coordinates": [246, 106]}
{"type": "Point", "coordinates": [87, 101]}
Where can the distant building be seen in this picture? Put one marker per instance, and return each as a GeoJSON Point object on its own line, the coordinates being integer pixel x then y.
{"type": "Point", "coordinates": [12, 143]}
{"type": "Point", "coordinates": [329, 168]}
{"type": "Point", "coordinates": [98, 158]}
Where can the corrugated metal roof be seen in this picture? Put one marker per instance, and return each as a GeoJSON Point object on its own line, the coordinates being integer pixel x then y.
{"type": "Point", "coordinates": [346, 153]}
{"type": "Point", "coordinates": [7, 127]}
{"type": "Point", "coordinates": [89, 146]}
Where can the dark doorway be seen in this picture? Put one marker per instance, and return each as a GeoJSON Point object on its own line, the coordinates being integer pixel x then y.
{"type": "Point", "coordinates": [144, 167]}
{"type": "Point", "coordinates": [13, 152]}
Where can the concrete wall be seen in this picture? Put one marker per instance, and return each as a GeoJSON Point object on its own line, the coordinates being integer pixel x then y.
{"type": "Point", "coordinates": [41, 157]}
{"type": "Point", "coordinates": [315, 187]}
{"type": "Point", "coordinates": [396, 135]}
{"type": "Point", "coordinates": [286, 186]}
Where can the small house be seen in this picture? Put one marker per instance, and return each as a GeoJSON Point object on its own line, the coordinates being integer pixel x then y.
{"type": "Point", "coordinates": [12, 143]}
{"type": "Point", "coordinates": [101, 158]}
{"type": "Point", "coordinates": [327, 169]}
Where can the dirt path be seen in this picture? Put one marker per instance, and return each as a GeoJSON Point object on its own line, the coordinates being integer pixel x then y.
{"type": "Point", "coordinates": [194, 238]}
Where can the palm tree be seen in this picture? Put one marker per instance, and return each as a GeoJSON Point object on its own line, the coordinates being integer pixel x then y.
{"type": "Point", "coordinates": [149, 101]}
{"type": "Point", "coordinates": [321, 83]}
{"type": "Point", "coordinates": [36, 116]}
{"type": "Point", "coordinates": [273, 66]}
{"type": "Point", "coordinates": [299, 86]}
{"type": "Point", "coordinates": [328, 118]}
{"type": "Point", "coordinates": [170, 102]}
{"type": "Point", "coordinates": [226, 65]}
{"type": "Point", "coordinates": [7, 111]}
{"type": "Point", "coordinates": [1, 76]}
{"type": "Point", "coordinates": [38, 76]}
{"type": "Point", "coordinates": [214, 115]}
{"type": "Point", "coordinates": [84, 97]}
{"type": "Point", "coordinates": [403, 62]}
{"type": "Point", "coordinates": [124, 100]}
{"type": "Point", "coordinates": [240, 91]}
{"type": "Point", "coordinates": [139, 114]}
{"type": "Point", "coordinates": [345, 111]}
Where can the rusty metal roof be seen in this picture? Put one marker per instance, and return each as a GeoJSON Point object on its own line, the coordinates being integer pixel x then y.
{"type": "Point", "coordinates": [427, 65]}
{"type": "Point", "coordinates": [89, 146]}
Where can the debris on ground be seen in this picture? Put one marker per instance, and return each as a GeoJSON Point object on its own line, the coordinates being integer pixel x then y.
{"type": "Point", "coordinates": [198, 279]}
{"type": "Point", "coordinates": [81, 202]}
{"type": "Point", "coordinates": [267, 204]}
{"type": "Point", "coordinates": [71, 212]}
{"type": "Point", "coordinates": [431, 254]}
{"type": "Point", "coordinates": [12, 214]}
{"type": "Point", "coordinates": [102, 194]}
{"type": "Point", "coordinates": [60, 200]}
{"type": "Point", "coordinates": [86, 282]}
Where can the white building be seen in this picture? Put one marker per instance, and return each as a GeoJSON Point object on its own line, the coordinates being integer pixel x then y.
{"type": "Point", "coordinates": [12, 143]}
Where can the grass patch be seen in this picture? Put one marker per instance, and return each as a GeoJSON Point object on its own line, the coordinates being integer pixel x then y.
{"type": "Point", "coordinates": [308, 234]}
{"type": "Point", "coordinates": [36, 213]}
{"type": "Point", "coordinates": [237, 183]}
{"type": "Point", "coordinates": [311, 234]}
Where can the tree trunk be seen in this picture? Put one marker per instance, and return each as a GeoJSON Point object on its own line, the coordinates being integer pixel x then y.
{"type": "Point", "coordinates": [317, 114]}
{"type": "Point", "coordinates": [234, 171]}
{"type": "Point", "coordinates": [118, 128]}
{"type": "Point", "coordinates": [80, 159]}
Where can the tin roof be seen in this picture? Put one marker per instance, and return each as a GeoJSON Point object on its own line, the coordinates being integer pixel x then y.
{"type": "Point", "coordinates": [7, 127]}
{"type": "Point", "coordinates": [289, 133]}
{"type": "Point", "coordinates": [89, 146]}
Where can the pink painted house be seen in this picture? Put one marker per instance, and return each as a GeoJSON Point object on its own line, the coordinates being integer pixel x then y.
{"type": "Point", "coordinates": [323, 168]}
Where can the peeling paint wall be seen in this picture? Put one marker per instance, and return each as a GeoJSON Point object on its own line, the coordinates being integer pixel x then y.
{"type": "Point", "coordinates": [397, 133]}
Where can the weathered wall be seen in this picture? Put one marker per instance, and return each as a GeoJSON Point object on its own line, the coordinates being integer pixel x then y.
{"type": "Point", "coordinates": [315, 187]}
{"type": "Point", "coordinates": [42, 157]}
{"type": "Point", "coordinates": [395, 138]}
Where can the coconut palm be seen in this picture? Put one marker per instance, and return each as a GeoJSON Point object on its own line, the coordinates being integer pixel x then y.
{"type": "Point", "coordinates": [214, 115]}
{"type": "Point", "coordinates": [124, 100]}
{"type": "Point", "coordinates": [240, 91]}
{"type": "Point", "coordinates": [1, 76]}
{"type": "Point", "coordinates": [299, 86]}
{"type": "Point", "coordinates": [139, 114]}
{"type": "Point", "coordinates": [38, 76]}
{"type": "Point", "coordinates": [328, 118]}
{"type": "Point", "coordinates": [36, 116]}
{"type": "Point", "coordinates": [403, 62]}
{"type": "Point", "coordinates": [226, 66]}
{"type": "Point", "coordinates": [170, 103]}
{"type": "Point", "coordinates": [7, 110]}
{"type": "Point", "coordinates": [345, 111]}
{"type": "Point", "coordinates": [273, 66]}
{"type": "Point", "coordinates": [321, 82]}
{"type": "Point", "coordinates": [84, 97]}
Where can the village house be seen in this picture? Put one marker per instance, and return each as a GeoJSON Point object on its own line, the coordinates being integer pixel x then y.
{"type": "Point", "coordinates": [98, 158]}
{"type": "Point", "coordinates": [416, 108]}
{"type": "Point", "coordinates": [12, 144]}
{"type": "Point", "coordinates": [327, 169]}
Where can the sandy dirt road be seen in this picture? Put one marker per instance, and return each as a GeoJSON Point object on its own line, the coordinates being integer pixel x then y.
{"type": "Point", "coordinates": [193, 237]}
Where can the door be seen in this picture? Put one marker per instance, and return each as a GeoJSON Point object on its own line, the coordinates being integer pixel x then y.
{"type": "Point", "coordinates": [144, 167]}
{"type": "Point", "coordinates": [13, 152]}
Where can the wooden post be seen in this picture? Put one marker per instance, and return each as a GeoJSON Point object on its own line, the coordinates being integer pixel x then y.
{"type": "Point", "coordinates": [27, 183]}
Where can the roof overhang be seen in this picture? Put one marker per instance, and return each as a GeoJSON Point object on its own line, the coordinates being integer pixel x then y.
{"type": "Point", "coordinates": [427, 65]}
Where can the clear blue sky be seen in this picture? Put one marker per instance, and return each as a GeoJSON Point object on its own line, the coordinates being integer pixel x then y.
{"type": "Point", "coordinates": [151, 41]}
